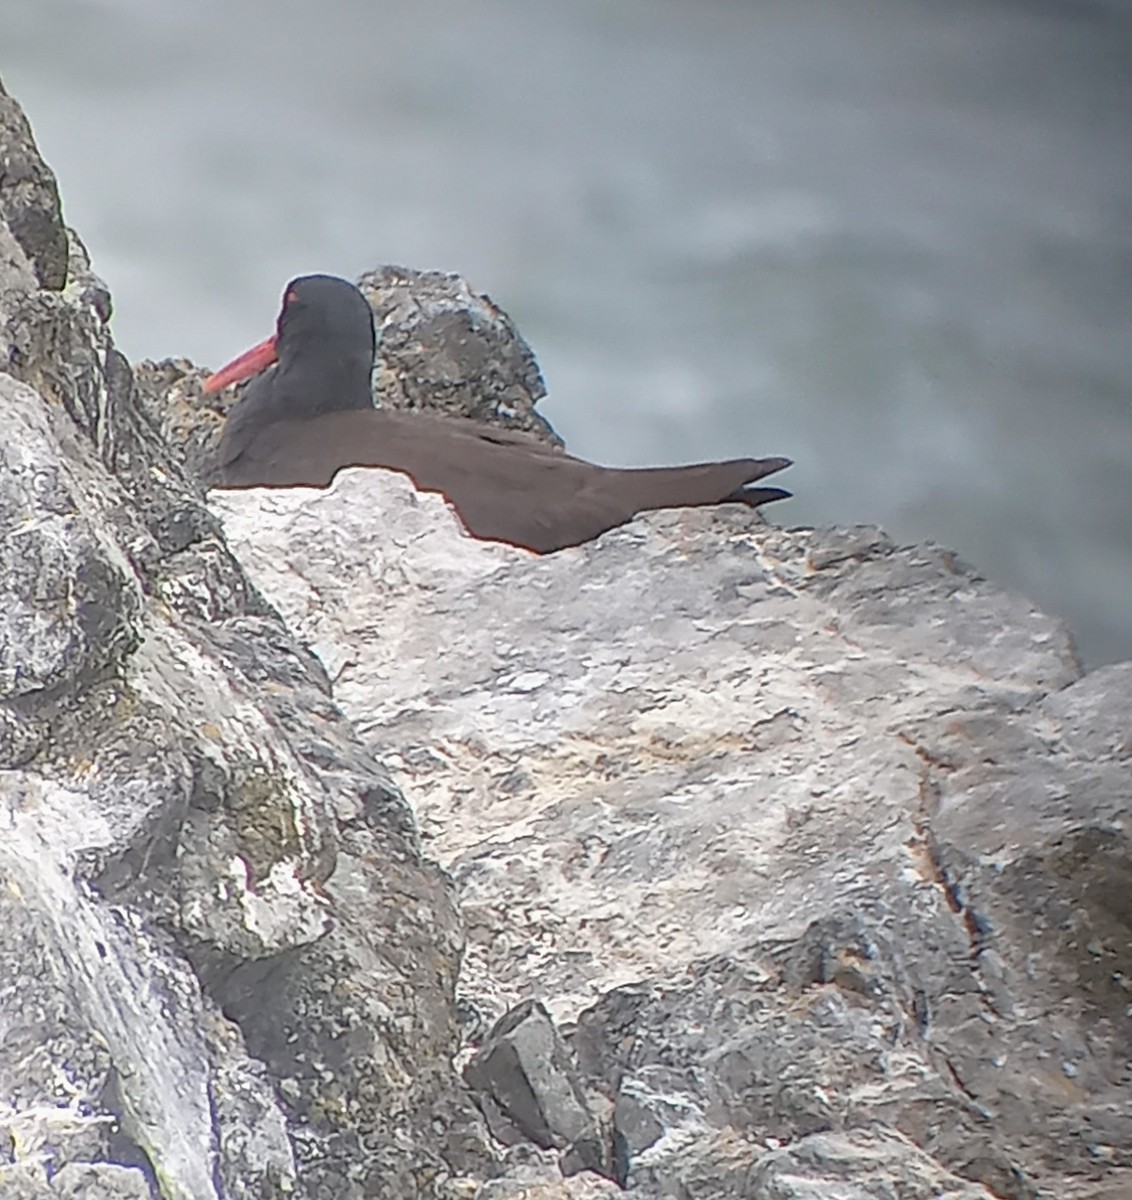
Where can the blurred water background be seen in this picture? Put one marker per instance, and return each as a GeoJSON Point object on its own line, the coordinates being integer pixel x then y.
{"type": "Point", "coordinates": [891, 238]}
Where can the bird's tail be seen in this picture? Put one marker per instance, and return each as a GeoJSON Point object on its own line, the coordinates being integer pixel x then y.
{"type": "Point", "coordinates": [703, 483]}
{"type": "Point", "coordinates": [760, 495]}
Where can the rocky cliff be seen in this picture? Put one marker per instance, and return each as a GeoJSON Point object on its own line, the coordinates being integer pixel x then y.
{"type": "Point", "coordinates": [342, 855]}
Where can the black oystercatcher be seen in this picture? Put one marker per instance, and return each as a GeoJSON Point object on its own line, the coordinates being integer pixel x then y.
{"type": "Point", "coordinates": [312, 414]}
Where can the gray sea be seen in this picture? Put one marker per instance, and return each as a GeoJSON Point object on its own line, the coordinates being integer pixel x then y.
{"type": "Point", "coordinates": [890, 238]}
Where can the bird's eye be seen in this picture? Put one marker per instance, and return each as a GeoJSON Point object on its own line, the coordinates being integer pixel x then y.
{"type": "Point", "coordinates": [290, 297]}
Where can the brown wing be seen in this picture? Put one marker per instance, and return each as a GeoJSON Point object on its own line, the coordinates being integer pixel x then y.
{"type": "Point", "coordinates": [489, 433]}
{"type": "Point", "coordinates": [514, 489]}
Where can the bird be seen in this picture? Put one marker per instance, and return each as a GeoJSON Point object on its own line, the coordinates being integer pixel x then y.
{"type": "Point", "coordinates": [309, 413]}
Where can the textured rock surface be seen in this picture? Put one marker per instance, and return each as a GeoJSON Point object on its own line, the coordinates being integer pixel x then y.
{"type": "Point", "coordinates": [788, 864]}
{"type": "Point", "coordinates": [29, 199]}
{"type": "Point", "coordinates": [794, 832]}
{"type": "Point", "coordinates": [444, 346]}
{"type": "Point", "coordinates": [529, 1089]}
{"type": "Point", "coordinates": [224, 968]}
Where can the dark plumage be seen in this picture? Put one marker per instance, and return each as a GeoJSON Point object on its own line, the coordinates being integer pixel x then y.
{"type": "Point", "coordinates": [311, 414]}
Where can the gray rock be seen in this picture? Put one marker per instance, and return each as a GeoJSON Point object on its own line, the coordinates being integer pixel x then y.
{"type": "Point", "coordinates": [527, 1173]}
{"type": "Point", "coordinates": [169, 394]}
{"type": "Point", "coordinates": [68, 602]}
{"type": "Point", "coordinates": [191, 772]}
{"type": "Point", "coordinates": [525, 1081]}
{"type": "Point", "coordinates": [29, 198]}
{"type": "Point", "coordinates": [224, 967]}
{"type": "Point", "coordinates": [446, 348]}
{"type": "Point", "coordinates": [855, 1165]}
{"type": "Point", "coordinates": [74, 1181]}
{"type": "Point", "coordinates": [529, 1088]}
{"type": "Point", "coordinates": [785, 821]}
{"type": "Point", "coordinates": [813, 847]}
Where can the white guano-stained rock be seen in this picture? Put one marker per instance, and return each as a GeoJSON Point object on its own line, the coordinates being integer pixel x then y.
{"type": "Point", "coordinates": [653, 748]}
{"type": "Point", "coordinates": [783, 825]}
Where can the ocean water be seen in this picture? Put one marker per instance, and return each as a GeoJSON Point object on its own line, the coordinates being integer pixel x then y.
{"type": "Point", "coordinates": [890, 238]}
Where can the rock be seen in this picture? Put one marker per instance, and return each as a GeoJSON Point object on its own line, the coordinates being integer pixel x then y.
{"type": "Point", "coordinates": [169, 394]}
{"type": "Point", "coordinates": [29, 198]}
{"type": "Point", "coordinates": [852, 1166]}
{"type": "Point", "coordinates": [225, 968]}
{"type": "Point", "coordinates": [529, 1174]}
{"type": "Point", "coordinates": [528, 1088]}
{"type": "Point", "coordinates": [444, 347]}
{"type": "Point", "coordinates": [766, 815]}
{"type": "Point", "coordinates": [798, 859]}
{"type": "Point", "coordinates": [75, 1181]}
{"type": "Point", "coordinates": [524, 1076]}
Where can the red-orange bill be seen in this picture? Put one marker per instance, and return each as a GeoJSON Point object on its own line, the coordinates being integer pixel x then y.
{"type": "Point", "coordinates": [251, 362]}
